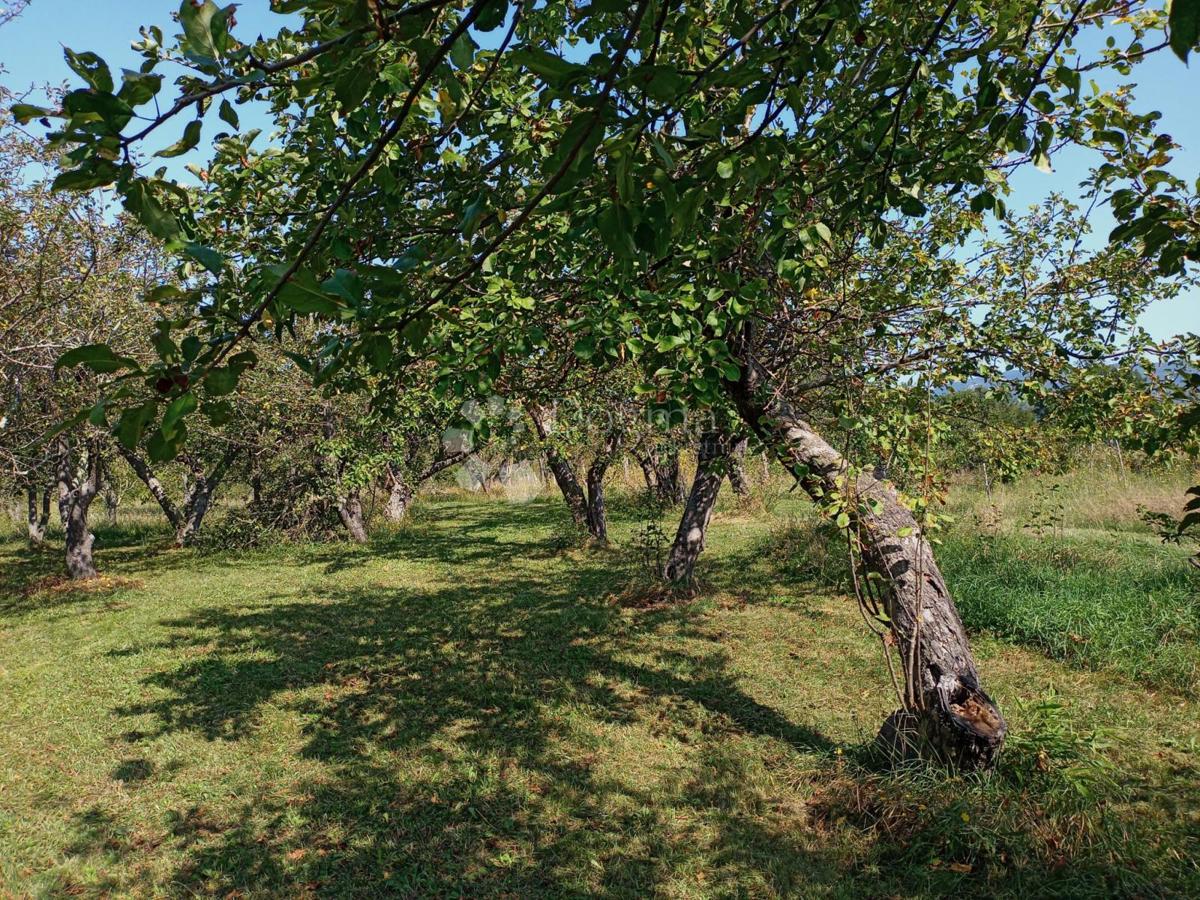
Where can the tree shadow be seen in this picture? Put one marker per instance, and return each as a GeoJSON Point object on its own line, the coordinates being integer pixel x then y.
{"type": "Point", "coordinates": [456, 728]}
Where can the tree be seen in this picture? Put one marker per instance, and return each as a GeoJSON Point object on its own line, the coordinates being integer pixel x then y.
{"type": "Point", "coordinates": [718, 166]}
{"type": "Point", "coordinates": [70, 316]}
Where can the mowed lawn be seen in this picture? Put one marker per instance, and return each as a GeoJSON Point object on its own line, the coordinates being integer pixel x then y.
{"type": "Point", "coordinates": [473, 707]}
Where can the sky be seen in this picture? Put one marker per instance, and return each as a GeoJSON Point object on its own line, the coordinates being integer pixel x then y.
{"type": "Point", "coordinates": [31, 54]}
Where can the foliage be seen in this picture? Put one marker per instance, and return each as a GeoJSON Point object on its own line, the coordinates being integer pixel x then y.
{"type": "Point", "coordinates": [812, 168]}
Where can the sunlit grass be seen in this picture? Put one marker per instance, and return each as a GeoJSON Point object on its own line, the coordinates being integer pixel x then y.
{"type": "Point", "coordinates": [460, 709]}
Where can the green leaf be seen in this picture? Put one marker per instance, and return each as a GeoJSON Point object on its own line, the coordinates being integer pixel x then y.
{"type": "Point", "coordinates": [1184, 25]}
{"type": "Point", "coordinates": [492, 15]}
{"type": "Point", "coordinates": [725, 168]}
{"type": "Point", "coordinates": [97, 357]}
{"type": "Point", "coordinates": [88, 106]}
{"type": "Point", "coordinates": [206, 256]}
{"type": "Point", "coordinates": [176, 410]}
{"type": "Point", "coordinates": [191, 137]}
{"type": "Point", "coordinates": [228, 114]}
{"type": "Point", "coordinates": [304, 295]}
{"type": "Point", "coordinates": [91, 68]}
{"type": "Point", "coordinates": [555, 70]}
{"type": "Point", "coordinates": [471, 216]}
{"type": "Point", "coordinates": [24, 113]}
{"type": "Point", "coordinates": [221, 381]}
{"type": "Point", "coordinates": [462, 54]}
{"type": "Point", "coordinates": [197, 22]}
{"type": "Point", "coordinates": [843, 520]}
{"type": "Point", "coordinates": [157, 219]}
{"type": "Point", "coordinates": [133, 422]}
{"type": "Point", "coordinates": [95, 174]}
{"type": "Point", "coordinates": [139, 87]}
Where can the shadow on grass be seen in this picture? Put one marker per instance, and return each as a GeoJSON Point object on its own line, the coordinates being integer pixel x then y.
{"type": "Point", "coordinates": [458, 728]}
{"type": "Point", "coordinates": [509, 732]}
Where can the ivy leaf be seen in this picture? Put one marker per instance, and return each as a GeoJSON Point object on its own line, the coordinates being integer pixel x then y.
{"type": "Point", "coordinates": [97, 357]}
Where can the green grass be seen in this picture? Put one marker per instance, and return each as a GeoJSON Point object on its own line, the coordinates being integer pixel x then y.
{"type": "Point", "coordinates": [457, 710]}
{"type": "Point", "coordinates": [1103, 600]}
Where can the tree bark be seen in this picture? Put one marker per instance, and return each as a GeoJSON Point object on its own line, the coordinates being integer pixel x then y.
{"type": "Point", "coordinates": [597, 513]}
{"type": "Point", "coordinates": [199, 491]}
{"type": "Point", "coordinates": [738, 479]}
{"type": "Point", "coordinates": [75, 495]}
{"type": "Point", "coordinates": [350, 511]}
{"type": "Point", "coordinates": [560, 467]}
{"type": "Point", "coordinates": [668, 480]}
{"type": "Point", "coordinates": [401, 493]}
{"type": "Point", "coordinates": [38, 519]}
{"type": "Point", "coordinates": [948, 716]}
{"type": "Point", "coordinates": [153, 485]}
{"type": "Point", "coordinates": [712, 461]}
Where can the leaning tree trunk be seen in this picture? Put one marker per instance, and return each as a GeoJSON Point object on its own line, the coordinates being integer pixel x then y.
{"type": "Point", "coordinates": [738, 479]}
{"type": "Point", "coordinates": [350, 511]}
{"type": "Point", "coordinates": [560, 468]}
{"type": "Point", "coordinates": [37, 518]}
{"type": "Point", "coordinates": [697, 512]}
{"type": "Point", "coordinates": [75, 495]}
{"type": "Point", "coordinates": [948, 716]}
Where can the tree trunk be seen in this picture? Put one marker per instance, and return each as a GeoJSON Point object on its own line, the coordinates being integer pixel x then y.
{"type": "Point", "coordinates": [199, 499]}
{"type": "Point", "coordinates": [38, 519]}
{"type": "Point", "coordinates": [560, 468]}
{"type": "Point", "coordinates": [697, 512]}
{"type": "Point", "coordinates": [646, 462]}
{"type": "Point", "coordinates": [350, 511]}
{"type": "Point", "coordinates": [399, 497]}
{"type": "Point", "coordinates": [668, 480]}
{"type": "Point", "coordinates": [153, 485]}
{"type": "Point", "coordinates": [738, 479]}
{"type": "Point", "coordinates": [75, 495]}
{"type": "Point", "coordinates": [597, 514]}
{"type": "Point", "coordinates": [948, 716]}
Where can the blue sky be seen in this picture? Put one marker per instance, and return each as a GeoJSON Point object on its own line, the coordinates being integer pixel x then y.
{"type": "Point", "coordinates": [31, 52]}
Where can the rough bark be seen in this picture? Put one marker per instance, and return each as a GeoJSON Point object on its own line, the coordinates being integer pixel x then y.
{"type": "Point", "coordinates": [597, 513]}
{"type": "Point", "coordinates": [75, 495]}
{"type": "Point", "coordinates": [198, 491]}
{"type": "Point", "coordinates": [350, 511]}
{"type": "Point", "coordinates": [646, 462]}
{"type": "Point", "coordinates": [738, 479]}
{"type": "Point", "coordinates": [668, 479]}
{"type": "Point", "coordinates": [37, 517]}
{"type": "Point", "coordinates": [560, 467]}
{"type": "Point", "coordinates": [401, 493]}
{"type": "Point", "coordinates": [712, 461]}
{"type": "Point", "coordinates": [948, 715]}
